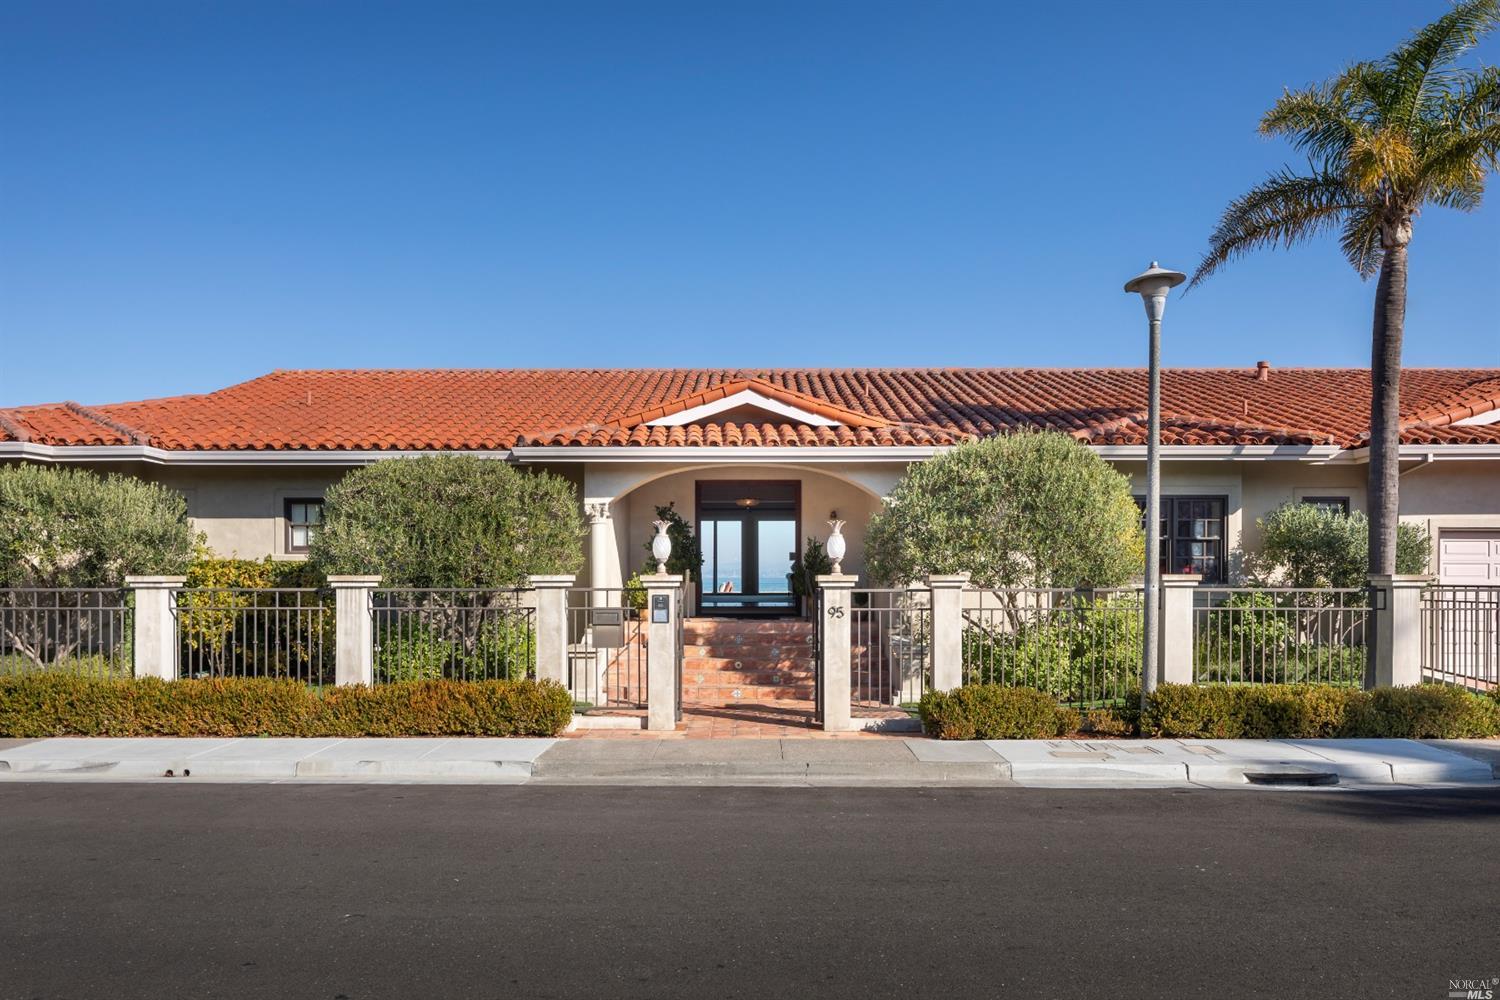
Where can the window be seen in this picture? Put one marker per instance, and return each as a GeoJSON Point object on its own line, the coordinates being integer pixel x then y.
{"type": "Point", "coordinates": [1192, 535]}
{"type": "Point", "coordinates": [302, 520]}
{"type": "Point", "coordinates": [1336, 505]}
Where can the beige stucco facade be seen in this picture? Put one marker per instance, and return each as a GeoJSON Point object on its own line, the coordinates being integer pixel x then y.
{"type": "Point", "coordinates": [240, 509]}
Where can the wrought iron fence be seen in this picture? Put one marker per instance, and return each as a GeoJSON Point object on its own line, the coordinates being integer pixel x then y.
{"type": "Point", "coordinates": [255, 632]}
{"type": "Point", "coordinates": [1280, 635]}
{"type": "Point", "coordinates": [1461, 636]}
{"type": "Point", "coordinates": [607, 649]}
{"type": "Point", "coordinates": [890, 647]}
{"type": "Point", "coordinates": [88, 632]}
{"type": "Point", "coordinates": [1081, 646]}
{"type": "Point", "coordinates": [453, 633]}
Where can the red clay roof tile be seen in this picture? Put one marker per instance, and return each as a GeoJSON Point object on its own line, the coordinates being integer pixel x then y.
{"type": "Point", "coordinates": [499, 409]}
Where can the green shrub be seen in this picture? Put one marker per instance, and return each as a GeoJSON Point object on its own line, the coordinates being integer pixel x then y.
{"type": "Point", "coordinates": [1432, 711]}
{"type": "Point", "coordinates": [74, 528]}
{"type": "Point", "coordinates": [1316, 711]}
{"type": "Point", "coordinates": [1085, 651]}
{"type": "Point", "coordinates": [1027, 509]}
{"type": "Point", "coordinates": [410, 654]}
{"type": "Point", "coordinates": [41, 705]}
{"type": "Point", "coordinates": [995, 712]}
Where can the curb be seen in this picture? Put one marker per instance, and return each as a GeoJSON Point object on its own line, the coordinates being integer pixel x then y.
{"type": "Point", "coordinates": [312, 768]}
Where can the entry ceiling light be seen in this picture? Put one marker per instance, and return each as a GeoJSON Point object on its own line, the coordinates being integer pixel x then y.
{"type": "Point", "coordinates": [748, 502]}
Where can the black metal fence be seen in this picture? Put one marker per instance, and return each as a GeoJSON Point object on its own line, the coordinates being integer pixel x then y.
{"type": "Point", "coordinates": [1280, 635]}
{"type": "Point", "coordinates": [255, 632]}
{"type": "Point", "coordinates": [890, 647]}
{"type": "Point", "coordinates": [1461, 636]}
{"type": "Point", "coordinates": [1081, 646]}
{"type": "Point", "coordinates": [453, 633]}
{"type": "Point", "coordinates": [89, 632]}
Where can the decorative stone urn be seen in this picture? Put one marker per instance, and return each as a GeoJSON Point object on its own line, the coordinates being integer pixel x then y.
{"type": "Point", "coordinates": [661, 546]}
{"type": "Point", "coordinates": [836, 545]}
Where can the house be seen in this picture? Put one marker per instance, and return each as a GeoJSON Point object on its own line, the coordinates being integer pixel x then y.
{"type": "Point", "coordinates": [760, 459]}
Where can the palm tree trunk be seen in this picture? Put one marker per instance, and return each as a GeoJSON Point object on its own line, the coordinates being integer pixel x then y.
{"type": "Point", "coordinates": [1385, 406]}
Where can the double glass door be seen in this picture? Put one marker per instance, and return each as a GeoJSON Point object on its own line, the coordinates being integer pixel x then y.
{"type": "Point", "coordinates": [749, 544]}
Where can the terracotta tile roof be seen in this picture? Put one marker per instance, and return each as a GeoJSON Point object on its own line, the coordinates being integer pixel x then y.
{"type": "Point", "coordinates": [501, 409]}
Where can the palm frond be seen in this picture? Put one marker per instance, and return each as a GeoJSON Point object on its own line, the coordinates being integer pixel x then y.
{"type": "Point", "coordinates": [1360, 241]}
{"type": "Point", "coordinates": [1454, 170]}
{"type": "Point", "coordinates": [1318, 120]}
{"type": "Point", "coordinates": [1425, 59]}
{"type": "Point", "coordinates": [1282, 210]}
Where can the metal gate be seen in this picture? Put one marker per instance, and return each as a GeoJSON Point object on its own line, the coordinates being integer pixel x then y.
{"type": "Point", "coordinates": [607, 649]}
{"type": "Point", "coordinates": [890, 647]}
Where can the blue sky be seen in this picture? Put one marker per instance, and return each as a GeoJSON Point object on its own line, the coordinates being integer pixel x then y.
{"type": "Point", "coordinates": [193, 194]}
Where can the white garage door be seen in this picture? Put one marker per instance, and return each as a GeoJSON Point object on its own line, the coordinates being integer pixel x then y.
{"type": "Point", "coordinates": [1469, 558]}
{"type": "Point", "coordinates": [1464, 618]}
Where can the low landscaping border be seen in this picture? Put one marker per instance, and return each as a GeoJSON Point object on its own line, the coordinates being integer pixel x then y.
{"type": "Point", "coordinates": [1219, 711]}
{"type": "Point", "coordinates": [42, 705]}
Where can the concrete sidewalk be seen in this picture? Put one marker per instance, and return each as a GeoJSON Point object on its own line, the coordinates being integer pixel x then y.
{"type": "Point", "coordinates": [891, 762]}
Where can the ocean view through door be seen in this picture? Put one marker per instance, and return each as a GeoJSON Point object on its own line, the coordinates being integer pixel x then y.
{"type": "Point", "coordinates": [749, 533]}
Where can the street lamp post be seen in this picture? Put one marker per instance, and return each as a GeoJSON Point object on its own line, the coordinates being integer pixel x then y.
{"type": "Point", "coordinates": [1152, 285]}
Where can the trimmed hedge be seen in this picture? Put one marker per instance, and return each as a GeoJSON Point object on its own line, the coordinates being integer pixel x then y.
{"type": "Point", "coordinates": [1220, 711]}
{"type": "Point", "coordinates": [995, 712]}
{"type": "Point", "coordinates": [40, 705]}
{"type": "Point", "coordinates": [1317, 711]}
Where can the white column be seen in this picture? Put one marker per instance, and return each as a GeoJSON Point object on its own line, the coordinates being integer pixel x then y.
{"type": "Point", "coordinates": [661, 651]}
{"type": "Point", "coordinates": [947, 630]}
{"type": "Point", "coordinates": [834, 679]}
{"type": "Point", "coordinates": [1176, 640]}
{"type": "Point", "coordinates": [552, 627]}
{"type": "Point", "coordinates": [354, 629]}
{"type": "Point", "coordinates": [155, 629]}
{"type": "Point", "coordinates": [1397, 620]}
{"type": "Point", "coordinates": [601, 549]}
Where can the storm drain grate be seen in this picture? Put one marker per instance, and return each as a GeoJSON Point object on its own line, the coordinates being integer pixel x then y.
{"type": "Point", "coordinates": [1308, 778]}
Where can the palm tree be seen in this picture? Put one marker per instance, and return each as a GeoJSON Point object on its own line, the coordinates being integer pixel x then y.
{"type": "Point", "coordinates": [1384, 139]}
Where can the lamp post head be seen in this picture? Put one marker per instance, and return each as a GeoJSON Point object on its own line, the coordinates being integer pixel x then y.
{"type": "Point", "coordinates": [1152, 285]}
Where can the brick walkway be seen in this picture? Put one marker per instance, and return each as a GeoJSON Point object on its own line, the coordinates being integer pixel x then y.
{"type": "Point", "coordinates": [753, 720]}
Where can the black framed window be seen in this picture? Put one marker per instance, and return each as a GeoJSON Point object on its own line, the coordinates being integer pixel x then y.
{"type": "Point", "coordinates": [303, 518]}
{"type": "Point", "coordinates": [1192, 535]}
{"type": "Point", "coordinates": [1337, 505]}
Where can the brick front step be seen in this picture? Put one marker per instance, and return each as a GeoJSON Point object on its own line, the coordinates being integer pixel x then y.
{"type": "Point", "coordinates": [747, 693]}
{"type": "Point", "coordinates": [767, 654]}
{"type": "Point", "coordinates": [734, 678]}
{"type": "Point", "coordinates": [777, 662]}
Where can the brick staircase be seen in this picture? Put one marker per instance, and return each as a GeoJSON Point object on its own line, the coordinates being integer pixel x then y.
{"type": "Point", "coordinates": [727, 661]}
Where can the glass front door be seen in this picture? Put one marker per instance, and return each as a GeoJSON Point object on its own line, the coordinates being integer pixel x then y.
{"type": "Point", "coordinates": [748, 531]}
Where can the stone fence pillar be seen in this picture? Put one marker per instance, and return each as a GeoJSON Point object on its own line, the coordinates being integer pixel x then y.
{"type": "Point", "coordinates": [947, 630]}
{"type": "Point", "coordinates": [1396, 623]}
{"type": "Point", "coordinates": [354, 629]}
{"type": "Point", "coordinates": [662, 590]}
{"type": "Point", "coordinates": [155, 630]}
{"type": "Point", "coordinates": [833, 666]}
{"type": "Point", "coordinates": [1175, 642]}
{"type": "Point", "coordinates": [552, 626]}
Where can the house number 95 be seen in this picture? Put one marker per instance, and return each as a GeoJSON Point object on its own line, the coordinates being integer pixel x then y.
{"type": "Point", "coordinates": [837, 611]}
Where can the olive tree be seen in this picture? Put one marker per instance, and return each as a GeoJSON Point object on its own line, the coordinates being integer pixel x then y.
{"type": "Point", "coordinates": [1029, 509]}
{"type": "Point", "coordinates": [1303, 545]}
{"type": "Point", "coordinates": [75, 528]}
{"type": "Point", "coordinates": [449, 521]}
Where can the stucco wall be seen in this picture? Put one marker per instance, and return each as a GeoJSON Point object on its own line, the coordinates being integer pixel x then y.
{"type": "Point", "coordinates": [240, 510]}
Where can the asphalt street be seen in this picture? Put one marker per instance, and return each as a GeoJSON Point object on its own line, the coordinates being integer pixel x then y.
{"type": "Point", "coordinates": [175, 889]}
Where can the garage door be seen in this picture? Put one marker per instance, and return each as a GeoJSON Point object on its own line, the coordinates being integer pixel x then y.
{"type": "Point", "coordinates": [1469, 558]}
{"type": "Point", "coordinates": [1463, 615]}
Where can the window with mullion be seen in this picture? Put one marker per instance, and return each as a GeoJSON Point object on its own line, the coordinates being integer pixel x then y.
{"type": "Point", "coordinates": [303, 518]}
{"type": "Point", "coordinates": [1192, 535]}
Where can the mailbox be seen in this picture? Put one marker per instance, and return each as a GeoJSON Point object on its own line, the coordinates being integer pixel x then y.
{"type": "Point", "coordinates": [609, 627]}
